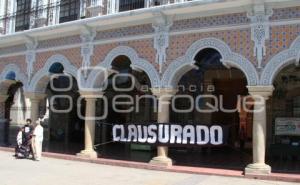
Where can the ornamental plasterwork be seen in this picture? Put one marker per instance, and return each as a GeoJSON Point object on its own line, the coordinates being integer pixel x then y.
{"type": "Point", "coordinates": [41, 78]}
{"type": "Point", "coordinates": [136, 62]}
{"type": "Point", "coordinates": [260, 30]}
{"type": "Point", "coordinates": [31, 45]}
{"type": "Point", "coordinates": [87, 49]}
{"type": "Point", "coordinates": [279, 61]}
{"type": "Point", "coordinates": [161, 26]}
{"type": "Point", "coordinates": [229, 59]}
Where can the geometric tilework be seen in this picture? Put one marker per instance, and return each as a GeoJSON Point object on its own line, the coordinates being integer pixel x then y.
{"type": "Point", "coordinates": [280, 39]}
{"type": "Point", "coordinates": [72, 55]}
{"type": "Point", "coordinates": [143, 47]}
{"type": "Point", "coordinates": [211, 21]}
{"type": "Point", "coordinates": [238, 40]}
{"type": "Point", "coordinates": [17, 48]}
{"type": "Point", "coordinates": [125, 32]}
{"type": "Point", "coordinates": [69, 40]}
{"type": "Point", "coordinates": [286, 13]}
{"type": "Point", "coordinates": [17, 60]}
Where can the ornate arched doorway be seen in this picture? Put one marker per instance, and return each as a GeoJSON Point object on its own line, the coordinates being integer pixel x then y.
{"type": "Point", "coordinates": [64, 128]}
{"type": "Point", "coordinates": [284, 121]}
{"type": "Point", "coordinates": [57, 86]}
{"type": "Point", "coordinates": [126, 85]}
{"type": "Point", "coordinates": [15, 105]}
{"type": "Point", "coordinates": [210, 94]}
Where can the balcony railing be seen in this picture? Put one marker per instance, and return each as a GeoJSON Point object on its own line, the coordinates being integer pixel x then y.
{"type": "Point", "coordinates": [58, 12]}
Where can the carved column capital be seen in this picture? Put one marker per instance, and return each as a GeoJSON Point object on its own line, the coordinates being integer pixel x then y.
{"type": "Point", "coordinates": [264, 91]}
{"type": "Point", "coordinates": [35, 96]}
{"type": "Point", "coordinates": [164, 94]}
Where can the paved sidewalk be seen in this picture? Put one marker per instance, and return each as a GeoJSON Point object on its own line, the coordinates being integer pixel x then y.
{"type": "Point", "coordinates": [62, 172]}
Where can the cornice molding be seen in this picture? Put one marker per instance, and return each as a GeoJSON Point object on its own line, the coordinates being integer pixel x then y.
{"type": "Point", "coordinates": [181, 10]}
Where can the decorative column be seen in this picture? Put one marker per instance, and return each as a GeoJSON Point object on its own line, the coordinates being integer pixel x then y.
{"type": "Point", "coordinates": [164, 96]}
{"type": "Point", "coordinates": [89, 126]}
{"type": "Point", "coordinates": [35, 99]}
{"type": "Point", "coordinates": [260, 96]}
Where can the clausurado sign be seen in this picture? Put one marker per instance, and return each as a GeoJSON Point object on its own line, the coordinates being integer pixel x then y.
{"type": "Point", "coordinates": [170, 134]}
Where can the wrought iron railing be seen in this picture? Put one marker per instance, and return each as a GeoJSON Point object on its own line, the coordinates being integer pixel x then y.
{"type": "Point", "coordinates": [38, 16]}
{"type": "Point", "coordinates": [55, 13]}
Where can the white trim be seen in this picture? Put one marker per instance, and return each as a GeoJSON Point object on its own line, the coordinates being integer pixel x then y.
{"type": "Point", "coordinates": [279, 61]}
{"type": "Point", "coordinates": [136, 62]}
{"type": "Point", "coordinates": [185, 63]}
{"type": "Point", "coordinates": [20, 76]}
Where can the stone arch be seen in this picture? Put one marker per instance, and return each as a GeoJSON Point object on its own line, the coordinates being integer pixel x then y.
{"type": "Point", "coordinates": [19, 76]}
{"type": "Point", "coordinates": [136, 62]}
{"type": "Point", "coordinates": [40, 80]}
{"type": "Point", "coordinates": [230, 59]}
{"type": "Point", "coordinates": [279, 61]}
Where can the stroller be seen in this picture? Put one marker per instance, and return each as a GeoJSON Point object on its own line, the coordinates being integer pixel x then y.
{"type": "Point", "coordinates": [23, 151]}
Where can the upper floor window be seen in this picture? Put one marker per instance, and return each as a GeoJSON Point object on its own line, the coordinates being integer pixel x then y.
{"type": "Point", "coordinates": [23, 15]}
{"type": "Point", "coordinates": [69, 10]}
{"type": "Point", "coordinates": [125, 5]}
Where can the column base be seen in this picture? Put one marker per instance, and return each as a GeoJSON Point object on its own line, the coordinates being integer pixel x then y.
{"type": "Point", "coordinates": [88, 154]}
{"type": "Point", "coordinates": [162, 161]}
{"type": "Point", "coordinates": [257, 169]}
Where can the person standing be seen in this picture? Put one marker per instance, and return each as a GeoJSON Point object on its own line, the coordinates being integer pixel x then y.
{"type": "Point", "coordinates": [38, 136]}
{"type": "Point", "coordinates": [28, 131]}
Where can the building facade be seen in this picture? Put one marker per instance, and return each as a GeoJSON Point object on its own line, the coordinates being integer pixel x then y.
{"type": "Point", "coordinates": [165, 44]}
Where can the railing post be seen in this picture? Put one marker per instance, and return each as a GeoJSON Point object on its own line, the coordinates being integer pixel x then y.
{"type": "Point", "coordinates": [12, 6]}
{"type": "Point", "coordinates": [83, 6]}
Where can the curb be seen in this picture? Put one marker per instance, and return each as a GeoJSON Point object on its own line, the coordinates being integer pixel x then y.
{"type": "Point", "coordinates": [177, 169]}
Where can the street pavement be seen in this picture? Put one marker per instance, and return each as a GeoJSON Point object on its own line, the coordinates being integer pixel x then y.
{"type": "Point", "coordinates": [50, 171]}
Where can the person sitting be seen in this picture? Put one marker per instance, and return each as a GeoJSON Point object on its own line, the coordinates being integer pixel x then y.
{"type": "Point", "coordinates": [19, 140]}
